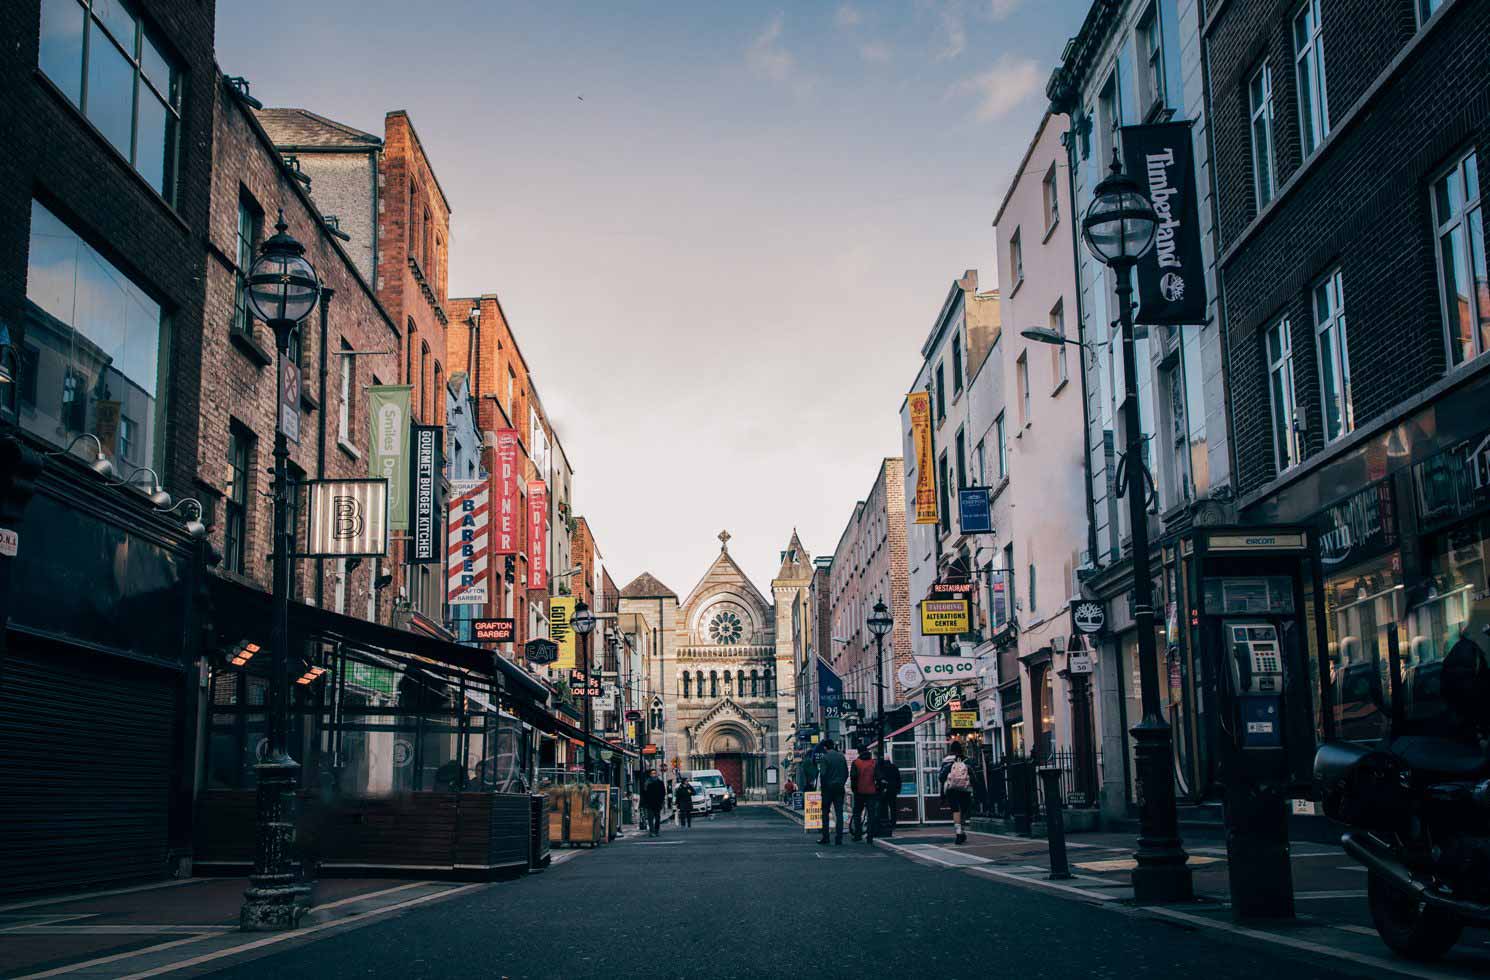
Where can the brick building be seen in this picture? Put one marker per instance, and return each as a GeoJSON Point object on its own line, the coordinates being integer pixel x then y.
{"type": "Point", "coordinates": [1350, 141]}
{"type": "Point", "coordinates": [105, 210]}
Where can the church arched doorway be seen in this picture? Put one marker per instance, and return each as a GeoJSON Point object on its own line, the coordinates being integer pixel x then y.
{"type": "Point", "coordinates": [733, 750]}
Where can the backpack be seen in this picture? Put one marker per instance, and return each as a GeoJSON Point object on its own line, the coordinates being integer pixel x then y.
{"type": "Point", "coordinates": [958, 777]}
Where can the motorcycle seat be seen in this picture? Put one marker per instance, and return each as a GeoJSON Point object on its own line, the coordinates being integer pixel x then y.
{"type": "Point", "coordinates": [1444, 756]}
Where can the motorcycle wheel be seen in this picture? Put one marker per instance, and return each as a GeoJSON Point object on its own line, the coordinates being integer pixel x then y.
{"type": "Point", "coordinates": [1411, 930]}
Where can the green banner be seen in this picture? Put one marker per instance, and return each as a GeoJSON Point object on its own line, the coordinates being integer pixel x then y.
{"type": "Point", "coordinates": [388, 449]}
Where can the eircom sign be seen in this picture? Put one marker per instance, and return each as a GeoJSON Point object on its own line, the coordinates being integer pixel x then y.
{"type": "Point", "coordinates": [944, 617]}
{"type": "Point", "coordinates": [947, 668]}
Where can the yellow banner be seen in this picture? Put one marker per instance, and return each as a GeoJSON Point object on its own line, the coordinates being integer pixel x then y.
{"type": "Point", "coordinates": [812, 811]}
{"type": "Point", "coordinates": [919, 403]}
{"type": "Point", "coordinates": [944, 617]}
{"type": "Point", "coordinates": [560, 612]}
{"type": "Point", "coordinates": [964, 719]}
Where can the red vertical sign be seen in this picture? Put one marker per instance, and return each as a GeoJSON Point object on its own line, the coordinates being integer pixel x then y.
{"type": "Point", "coordinates": [506, 516]}
{"type": "Point", "coordinates": [537, 534]}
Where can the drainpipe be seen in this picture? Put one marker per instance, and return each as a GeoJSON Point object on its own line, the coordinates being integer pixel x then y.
{"type": "Point", "coordinates": [326, 294]}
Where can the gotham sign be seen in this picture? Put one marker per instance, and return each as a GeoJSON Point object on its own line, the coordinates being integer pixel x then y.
{"type": "Point", "coordinates": [1171, 277]}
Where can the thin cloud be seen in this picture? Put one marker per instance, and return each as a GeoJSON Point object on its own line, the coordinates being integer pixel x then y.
{"type": "Point", "coordinates": [1001, 9]}
{"type": "Point", "coordinates": [848, 16]}
{"type": "Point", "coordinates": [767, 57]}
{"type": "Point", "coordinates": [955, 41]}
{"type": "Point", "coordinates": [876, 51]}
{"type": "Point", "coordinates": [1000, 89]}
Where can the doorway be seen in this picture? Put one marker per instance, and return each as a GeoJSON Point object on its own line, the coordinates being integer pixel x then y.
{"type": "Point", "coordinates": [731, 765]}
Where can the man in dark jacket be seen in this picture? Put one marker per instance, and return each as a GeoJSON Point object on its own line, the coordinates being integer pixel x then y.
{"type": "Point", "coordinates": [653, 795]}
{"type": "Point", "coordinates": [887, 778]}
{"type": "Point", "coordinates": [833, 769]}
{"type": "Point", "coordinates": [683, 800]}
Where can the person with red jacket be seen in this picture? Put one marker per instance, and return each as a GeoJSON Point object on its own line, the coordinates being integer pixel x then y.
{"type": "Point", "coordinates": [866, 796]}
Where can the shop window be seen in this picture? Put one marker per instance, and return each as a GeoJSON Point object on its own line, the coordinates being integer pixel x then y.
{"type": "Point", "coordinates": [101, 57]}
{"type": "Point", "coordinates": [1464, 282]}
{"type": "Point", "coordinates": [1361, 606]}
{"type": "Point", "coordinates": [93, 343]}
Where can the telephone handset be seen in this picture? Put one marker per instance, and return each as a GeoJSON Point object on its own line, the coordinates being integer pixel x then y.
{"type": "Point", "coordinates": [1256, 657]}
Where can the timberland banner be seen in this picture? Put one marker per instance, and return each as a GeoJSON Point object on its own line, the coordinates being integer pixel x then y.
{"type": "Point", "coordinates": [1171, 278]}
{"type": "Point", "coordinates": [919, 403]}
{"type": "Point", "coordinates": [388, 449]}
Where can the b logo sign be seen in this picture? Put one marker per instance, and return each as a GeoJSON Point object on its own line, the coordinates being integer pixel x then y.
{"type": "Point", "coordinates": [346, 516]}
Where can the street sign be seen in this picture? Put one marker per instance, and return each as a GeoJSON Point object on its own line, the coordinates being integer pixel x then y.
{"type": "Point", "coordinates": [909, 675]}
{"type": "Point", "coordinates": [944, 617]}
{"type": "Point", "coordinates": [1088, 616]}
{"type": "Point", "coordinates": [541, 651]}
{"type": "Point", "coordinates": [947, 668]}
{"type": "Point", "coordinates": [493, 630]}
{"type": "Point", "coordinates": [1079, 663]}
{"type": "Point", "coordinates": [974, 515]}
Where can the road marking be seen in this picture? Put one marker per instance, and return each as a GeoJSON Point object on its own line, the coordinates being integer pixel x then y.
{"type": "Point", "coordinates": [658, 843]}
{"type": "Point", "coordinates": [89, 896]}
{"type": "Point", "coordinates": [360, 898]}
{"type": "Point", "coordinates": [106, 960]}
{"type": "Point", "coordinates": [1054, 885]}
{"type": "Point", "coordinates": [1128, 864]}
{"type": "Point", "coordinates": [1338, 893]}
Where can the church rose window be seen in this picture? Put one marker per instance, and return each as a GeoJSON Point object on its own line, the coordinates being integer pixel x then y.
{"type": "Point", "coordinates": [726, 628]}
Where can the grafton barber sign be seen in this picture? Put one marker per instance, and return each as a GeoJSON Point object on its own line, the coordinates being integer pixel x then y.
{"type": "Point", "coordinates": [1171, 277]}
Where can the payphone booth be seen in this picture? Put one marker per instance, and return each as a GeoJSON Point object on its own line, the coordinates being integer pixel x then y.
{"type": "Point", "coordinates": [1249, 620]}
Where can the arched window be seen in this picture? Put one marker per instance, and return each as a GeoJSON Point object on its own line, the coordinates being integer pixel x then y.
{"type": "Point", "coordinates": [755, 683]}
{"type": "Point", "coordinates": [438, 416]}
{"type": "Point", "coordinates": [729, 683]}
{"type": "Point", "coordinates": [740, 684]}
{"type": "Point", "coordinates": [687, 685]}
{"type": "Point", "coordinates": [767, 679]}
{"type": "Point", "coordinates": [713, 683]}
{"type": "Point", "coordinates": [698, 678]}
{"type": "Point", "coordinates": [423, 383]}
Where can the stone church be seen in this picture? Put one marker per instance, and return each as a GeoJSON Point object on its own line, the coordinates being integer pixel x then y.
{"type": "Point", "coordinates": [720, 669]}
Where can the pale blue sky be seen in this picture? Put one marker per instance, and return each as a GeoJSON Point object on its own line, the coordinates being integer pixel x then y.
{"type": "Point", "coordinates": [721, 262]}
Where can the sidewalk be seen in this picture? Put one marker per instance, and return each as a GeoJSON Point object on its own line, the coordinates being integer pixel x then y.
{"type": "Point", "coordinates": [133, 931]}
{"type": "Point", "coordinates": [1329, 891]}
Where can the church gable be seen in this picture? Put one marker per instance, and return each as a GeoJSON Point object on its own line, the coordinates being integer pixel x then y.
{"type": "Point", "coordinates": [725, 576]}
{"type": "Point", "coordinates": [726, 711]}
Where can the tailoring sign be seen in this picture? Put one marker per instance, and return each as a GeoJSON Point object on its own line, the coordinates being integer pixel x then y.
{"type": "Point", "coordinates": [962, 720]}
{"type": "Point", "coordinates": [466, 574]}
{"type": "Point", "coordinates": [388, 450]}
{"type": "Point", "coordinates": [944, 617]}
{"type": "Point", "coordinates": [560, 612]}
{"type": "Point", "coordinates": [919, 405]}
{"type": "Point", "coordinates": [424, 489]}
{"type": "Point", "coordinates": [347, 518]}
{"type": "Point", "coordinates": [537, 535]}
{"type": "Point", "coordinates": [1171, 277]}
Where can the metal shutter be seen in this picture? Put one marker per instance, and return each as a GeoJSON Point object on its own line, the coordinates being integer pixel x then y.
{"type": "Point", "coordinates": [86, 749]}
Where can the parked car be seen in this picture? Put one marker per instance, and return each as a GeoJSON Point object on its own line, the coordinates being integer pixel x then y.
{"type": "Point", "coordinates": [710, 783]}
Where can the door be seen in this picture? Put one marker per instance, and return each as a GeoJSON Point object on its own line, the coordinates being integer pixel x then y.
{"type": "Point", "coordinates": [732, 767]}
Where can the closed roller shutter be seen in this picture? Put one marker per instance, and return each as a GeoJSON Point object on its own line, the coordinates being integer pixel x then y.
{"type": "Point", "coordinates": [86, 750]}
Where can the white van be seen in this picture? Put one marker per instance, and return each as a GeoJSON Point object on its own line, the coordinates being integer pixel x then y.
{"type": "Point", "coordinates": [711, 782]}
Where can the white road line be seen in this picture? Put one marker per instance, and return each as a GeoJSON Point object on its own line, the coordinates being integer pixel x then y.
{"type": "Point", "coordinates": [45, 920]}
{"type": "Point", "coordinates": [1337, 893]}
{"type": "Point", "coordinates": [106, 960]}
{"type": "Point", "coordinates": [88, 896]}
{"type": "Point", "coordinates": [359, 898]}
{"type": "Point", "coordinates": [1041, 883]}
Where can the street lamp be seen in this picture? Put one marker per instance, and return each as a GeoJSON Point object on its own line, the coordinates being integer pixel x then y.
{"type": "Point", "coordinates": [583, 624]}
{"type": "Point", "coordinates": [1118, 229]}
{"type": "Point", "coordinates": [879, 624]}
{"type": "Point", "coordinates": [282, 291]}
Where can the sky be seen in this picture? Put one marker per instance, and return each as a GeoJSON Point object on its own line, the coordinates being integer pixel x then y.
{"type": "Point", "coordinates": [721, 231]}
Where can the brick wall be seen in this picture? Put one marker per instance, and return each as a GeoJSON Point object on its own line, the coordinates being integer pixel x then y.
{"type": "Point", "coordinates": [1362, 204]}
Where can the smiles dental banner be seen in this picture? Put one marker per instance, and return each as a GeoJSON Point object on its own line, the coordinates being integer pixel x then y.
{"type": "Point", "coordinates": [388, 449]}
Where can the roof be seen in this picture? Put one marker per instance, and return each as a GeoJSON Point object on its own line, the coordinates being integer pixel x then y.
{"type": "Point", "coordinates": [1024, 161]}
{"type": "Point", "coordinates": [795, 561]}
{"type": "Point", "coordinates": [301, 127]}
{"type": "Point", "coordinates": [646, 586]}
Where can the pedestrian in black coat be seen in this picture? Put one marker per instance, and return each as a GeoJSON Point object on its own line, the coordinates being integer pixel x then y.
{"type": "Point", "coordinates": [654, 794]}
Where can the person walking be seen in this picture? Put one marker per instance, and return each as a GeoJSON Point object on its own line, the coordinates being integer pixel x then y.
{"type": "Point", "coordinates": [887, 781]}
{"type": "Point", "coordinates": [654, 793]}
{"type": "Point", "coordinates": [866, 797]}
{"type": "Point", "coordinates": [833, 773]}
{"type": "Point", "coordinates": [683, 800]}
{"type": "Point", "coordinates": [957, 787]}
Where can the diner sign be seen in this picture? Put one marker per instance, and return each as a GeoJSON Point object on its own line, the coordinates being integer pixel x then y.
{"type": "Point", "coordinates": [537, 535]}
{"type": "Point", "coordinates": [505, 524]}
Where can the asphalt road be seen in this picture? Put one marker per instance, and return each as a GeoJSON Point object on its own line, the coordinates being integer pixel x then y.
{"type": "Point", "coordinates": [750, 895]}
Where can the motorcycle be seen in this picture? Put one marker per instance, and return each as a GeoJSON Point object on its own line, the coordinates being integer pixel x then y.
{"type": "Point", "coordinates": [1418, 809]}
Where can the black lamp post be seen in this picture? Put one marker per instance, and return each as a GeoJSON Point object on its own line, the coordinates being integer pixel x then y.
{"type": "Point", "coordinates": [1118, 229]}
{"type": "Point", "coordinates": [880, 623]}
{"type": "Point", "coordinates": [282, 291]}
{"type": "Point", "coordinates": [583, 625]}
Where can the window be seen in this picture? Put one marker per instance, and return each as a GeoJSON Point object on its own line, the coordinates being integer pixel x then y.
{"type": "Point", "coordinates": [294, 347]}
{"type": "Point", "coordinates": [1280, 386]}
{"type": "Point", "coordinates": [941, 493]}
{"type": "Point", "coordinates": [438, 417]}
{"type": "Point", "coordinates": [940, 394]}
{"type": "Point", "coordinates": [1260, 94]}
{"type": "Point", "coordinates": [1016, 260]}
{"type": "Point", "coordinates": [687, 684]}
{"type": "Point", "coordinates": [1459, 221]}
{"type": "Point", "coordinates": [956, 364]}
{"type": "Point", "coordinates": [698, 677]}
{"type": "Point", "coordinates": [99, 55]}
{"type": "Point", "coordinates": [1109, 118]}
{"type": "Point", "coordinates": [1022, 383]}
{"type": "Point", "coordinates": [1426, 9]}
{"type": "Point", "coordinates": [235, 499]}
{"type": "Point", "coordinates": [766, 682]}
{"type": "Point", "coordinates": [1308, 54]}
{"type": "Point", "coordinates": [423, 384]}
{"type": "Point", "coordinates": [1060, 370]}
{"type": "Point", "coordinates": [348, 392]}
{"type": "Point", "coordinates": [1334, 356]}
{"type": "Point", "coordinates": [961, 461]}
{"type": "Point", "coordinates": [128, 439]}
{"type": "Point", "coordinates": [1001, 446]}
{"type": "Point", "coordinates": [1151, 72]}
{"type": "Point", "coordinates": [713, 683]}
{"type": "Point", "coordinates": [1051, 196]}
{"type": "Point", "coordinates": [250, 227]}
{"type": "Point", "coordinates": [92, 343]}
{"type": "Point", "coordinates": [755, 684]}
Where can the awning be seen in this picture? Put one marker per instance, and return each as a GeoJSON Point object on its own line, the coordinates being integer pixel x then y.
{"type": "Point", "coordinates": [555, 725]}
{"type": "Point", "coordinates": [914, 724]}
{"type": "Point", "coordinates": [241, 610]}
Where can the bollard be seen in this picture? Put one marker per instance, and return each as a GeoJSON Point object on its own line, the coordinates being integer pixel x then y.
{"type": "Point", "coordinates": [1055, 825]}
{"type": "Point", "coordinates": [1022, 780]}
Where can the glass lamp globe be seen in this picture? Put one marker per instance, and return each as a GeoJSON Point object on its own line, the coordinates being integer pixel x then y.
{"type": "Point", "coordinates": [881, 622]}
{"type": "Point", "coordinates": [584, 620]}
{"type": "Point", "coordinates": [1119, 224]}
{"type": "Point", "coordinates": [282, 285]}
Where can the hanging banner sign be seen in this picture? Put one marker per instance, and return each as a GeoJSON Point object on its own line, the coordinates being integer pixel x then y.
{"type": "Point", "coordinates": [560, 612]}
{"type": "Point", "coordinates": [506, 523]}
{"type": "Point", "coordinates": [537, 535]}
{"type": "Point", "coordinates": [974, 515]}
{"type": "Point", "coordinates": [346, 518]}
{"type": "Point", "coordinates": [388, 447]}
{"type": "Point", "coordinates": [493, 630]}
{"type": "Point", "coordinates": [1171, 277]}
{"type": "Point", "coordinates": [466, 573]}
{"type": "Point", "coordinates": [829, 690]}
{"type": "Point", "coordinates": [424, 489]}
{"type": "Point", "coordinates": [944, 617]}
{"type": "Point", "coordinates": [919, 405]}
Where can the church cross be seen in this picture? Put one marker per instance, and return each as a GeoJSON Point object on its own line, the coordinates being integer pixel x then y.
{"type": "Point", "coordinates": [724, 537]}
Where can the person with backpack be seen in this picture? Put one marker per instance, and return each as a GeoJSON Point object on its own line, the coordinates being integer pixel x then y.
{"type": "Point", "coordinates": [888, 780]}
{"type": "Point", "coordinates": [957, 787]}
